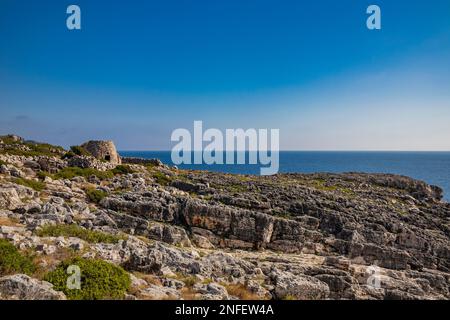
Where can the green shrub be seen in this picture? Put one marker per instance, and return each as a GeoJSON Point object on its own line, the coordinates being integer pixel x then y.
{"type": "Point", "coordinates": [12, 261]}
{"type": "Point", "coordinates": [36, 185]}
{"type": "Point", "coordinates": [79, 151]}
{"type": "Point", "coordinates": [68, 155]}
{"type": "Point", "coordinates": [95, 195]}
{"type": "Point", "coordinates": [72, 172]}
{"type": "Point", "coordinates": [190, 281]}
{"type": "Point", "coordinates": [35, 148]}
{"type": "Point", "coordinates": [122, 169]}
{"type": "Point", "coordinates": [8, 140]}
{"type": "Point", "coordinates": [43, 174]}
{"type": "Point", "coordinates": [73, 230]}
{"type": "Point", "coordinates": [100, 280]}
{"type": "Point", "coordinates": [161, 178]}
{"type": "Point", "coordinates": [44, 149]}
{"type": "Point", "coordinates": [3, 163]}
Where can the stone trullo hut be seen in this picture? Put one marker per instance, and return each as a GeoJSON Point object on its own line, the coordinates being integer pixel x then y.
{"type": "Point", "coordinates": [103, 150]}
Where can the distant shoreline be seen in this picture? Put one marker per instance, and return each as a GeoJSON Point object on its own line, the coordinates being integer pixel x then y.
{"type": "Point", "coordinates": [432, 167]}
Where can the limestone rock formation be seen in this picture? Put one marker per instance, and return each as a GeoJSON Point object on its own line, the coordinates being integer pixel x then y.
{"type": "Point", "coordinates": [21, 286]}
{"type": "Point", "coordinates": [205, 235]}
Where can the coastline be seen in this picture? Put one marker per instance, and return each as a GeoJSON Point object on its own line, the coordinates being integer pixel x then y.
{"type": "Point", "coordinates": [170, 233]}
{"type": "Point", "coordinates": [431, 167]}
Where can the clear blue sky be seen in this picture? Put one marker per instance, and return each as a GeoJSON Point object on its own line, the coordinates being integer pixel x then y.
{"type": "Point", "coordinates": [139, 69]}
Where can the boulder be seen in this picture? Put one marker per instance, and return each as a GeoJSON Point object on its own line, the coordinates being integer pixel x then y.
{"type": "Point", "coordinates": [21, 286]}
{"type": "Point", "coordinates": [301, 287]}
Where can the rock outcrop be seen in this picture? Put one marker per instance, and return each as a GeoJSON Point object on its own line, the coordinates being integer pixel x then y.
{"type": "Point", "coordinates": [22, 287]}
{"type": "Point", "coordinates": [204, 235]}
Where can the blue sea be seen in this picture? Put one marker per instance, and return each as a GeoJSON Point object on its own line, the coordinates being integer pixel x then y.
{"type": "Point", "coordinates": [431, 167]}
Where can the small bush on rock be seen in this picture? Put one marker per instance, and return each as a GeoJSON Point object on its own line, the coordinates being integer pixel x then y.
{"type": "Point", "coordinates": [43, 174]}
{"type": "Point", "coordinates": [12, 261]}
{"type": "Point", "coordinates": [95, 195]}
{"type": "Point", "coordinates": [100, 280]}
{"type": "Point", "coordinates": [160, 177]}
{"type": "Point", "coordinates": [122, 169]}
{"type": "Point", "coordinates": [79, 151]}
{"type": "Point", "coordinates": [68, 155]}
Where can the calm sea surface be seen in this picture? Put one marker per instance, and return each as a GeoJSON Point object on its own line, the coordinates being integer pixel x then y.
{"type": "Point", "coordinates": [432, 167]}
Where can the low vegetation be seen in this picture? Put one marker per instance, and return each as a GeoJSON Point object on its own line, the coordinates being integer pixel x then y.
{"type": "Point", "coordinates": [13, 261]}
{"type": "Point", "coordinates": [283, 214]}
{"type": "Point", "coordinates": [241, 291]}
{"type": "Point", "coordinates": [29, 148]}
{"type": "Point", "coordinates": [122, 169]}
{"type": "Point", "coordinates": [43, 174]}
{"type": "Point", "coordinates": [79, 151]}
{"type": "Point", "coordinates": [33, 184]}
{"type": "Point", "coordinates": [76, 151]}
{"type": "Point", "coordinates": [160, 177]}
{"type": "Point", "coordinates": [73, 230]}
{"type": "Point", "coordinates": [321, 184]}
{"type": "Point", "coordinates": [100, 280]}
{"type": "Point", "coordinates": [9, 222]}
{"type": "Point", "coordinates": [95, 195]}
{"type": "Point", "coordinates": [72, 172]}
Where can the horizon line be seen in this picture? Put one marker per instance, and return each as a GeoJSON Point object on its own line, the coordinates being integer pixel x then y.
{"type": "Point", "coordinates": [441, 151]}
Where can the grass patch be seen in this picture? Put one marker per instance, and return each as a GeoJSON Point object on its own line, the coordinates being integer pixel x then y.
{"type": "Point", "coordinates": [189, 281]}
{"type": "Point", "coordinates": [160, 177]}
{"type": "Point", "coordinates": [36, 185]}
{"type": "Point", "coordinates": [320, 184]}
{"type": "Point", "coordinates": [46, 262]}
{"type": "Point", "coordinates": [73, 230]}
{"type": "Point", "coordinates": [95, 195]}
{"type": "Point", "coordinates": [241, 291]}
{"type": "Point", "coordinates": [8, 140]}
{"type": "Point", "coordinates": [3, 163]}
{"type": "Point", "coordinates": [100, 280]}
{"type": "Point", "coordinates": [236, 188]}
{"type": "Point", "coordinates": [43, 174]}
{"type": "Point", "coordinates": [79, 151]}
{"type": "Point", "coordinates": [230, 186]}
{"type": "Point", "coordinates": [122, 169]}
{"type": "Point", "coordinates": [9, 222]}
{"type": "Point", "coordinates": [76, 151]}
{"type": "Point", "coordinates": [283, 215]}
{"type": "Point", "coordinates": [12, 261]}
{"type": "Point", "coordinates": [72, 172]}
{"type": "Point", "coordinates": [34, 148]}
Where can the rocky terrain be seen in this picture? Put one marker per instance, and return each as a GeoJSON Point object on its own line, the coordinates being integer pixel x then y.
{"type": "Point", "coordinates": [202, 235]}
